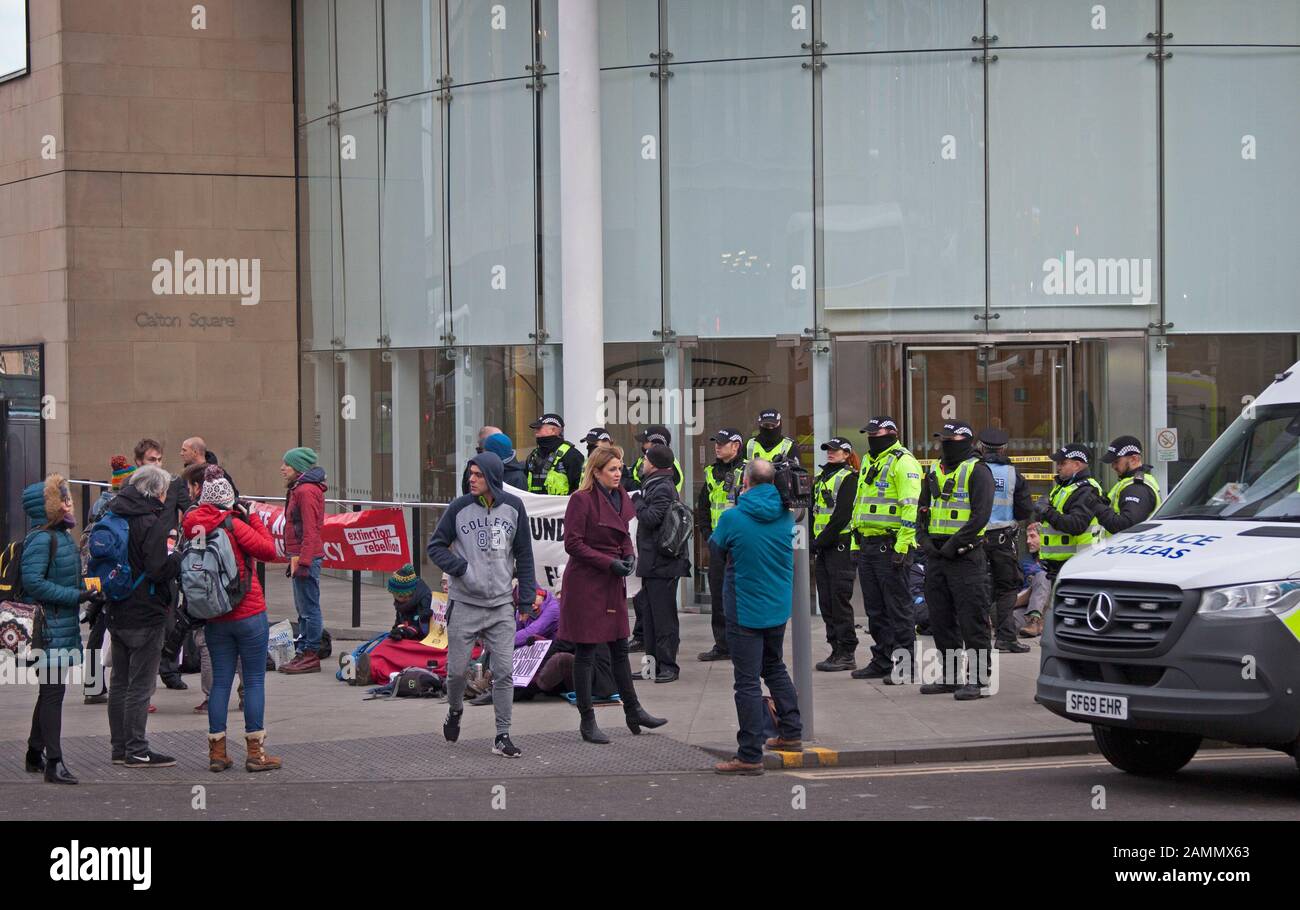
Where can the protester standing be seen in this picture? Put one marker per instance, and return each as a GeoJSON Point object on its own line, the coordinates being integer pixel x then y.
{"type": "Point", "coordinates": [593, 603]}
{"type": "Point", "coordinates": [51, 573]}
{"type": "Point", "coordinates": [304, 519]}
{"type": "Point", "coordinates": [659, 573]}
{"type": "Point", "coordinates": [94, 689]}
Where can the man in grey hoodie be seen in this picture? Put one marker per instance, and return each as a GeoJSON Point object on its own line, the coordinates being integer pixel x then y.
{"type": "Point", "coordinates": [483, 542]}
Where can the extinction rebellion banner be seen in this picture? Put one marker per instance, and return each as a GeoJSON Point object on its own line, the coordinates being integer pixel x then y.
{"type": "Point", "coordinates": [374, 540]}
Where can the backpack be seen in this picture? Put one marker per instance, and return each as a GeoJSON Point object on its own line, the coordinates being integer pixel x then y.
{"type": "Point", "coordinates": [210, 577]}
{"type": "Point", "coordinates": [417, 682]}
{"type": "Point", "coordinates": [109, 561]}
{"type": "Point", "coordinates": [676, 530]}
{"type": "Point", "coordinates": [11, 568]}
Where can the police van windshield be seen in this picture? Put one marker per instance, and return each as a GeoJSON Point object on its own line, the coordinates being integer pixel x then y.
{"type": "Point", "coordinates": [1251, 473]}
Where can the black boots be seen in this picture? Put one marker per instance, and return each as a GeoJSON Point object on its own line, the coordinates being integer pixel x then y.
{"type": "Point", "coordinates": [35, 762]}
{"type": "Point", "coordinates": [590, 732]}
{"type": "Point", "coordinates": [638, 717]}
{"type": "Point", "coordinates": [56, 772]}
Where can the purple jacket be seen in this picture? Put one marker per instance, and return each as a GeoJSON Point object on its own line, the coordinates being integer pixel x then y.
{"type": "Point", "coordinates": [543, 626]}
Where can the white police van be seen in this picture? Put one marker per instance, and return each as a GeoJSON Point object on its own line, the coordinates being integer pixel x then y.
{"type": "Point", "coordinates": [1188, 626]}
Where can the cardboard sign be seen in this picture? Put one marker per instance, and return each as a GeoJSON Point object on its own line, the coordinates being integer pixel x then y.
{"type": "Point", "coordinates": [528, 660]}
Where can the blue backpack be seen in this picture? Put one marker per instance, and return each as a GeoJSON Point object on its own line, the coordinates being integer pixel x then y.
{"type": "Point", "coordinates": [108, 557]}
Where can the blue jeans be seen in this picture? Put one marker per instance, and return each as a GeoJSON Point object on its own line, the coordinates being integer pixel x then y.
{"type": "Point", "coordinates": [755, 653]}
{"type": "Point", "coordinates": [229, 643]}
{"type": "Point", "coordinates": [306, 600]}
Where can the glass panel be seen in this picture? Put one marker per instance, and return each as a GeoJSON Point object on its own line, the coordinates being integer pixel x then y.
{"type": "Point", "coordinates": [358, 52]}
{"type": "Point", "coordinates": [439, 477]}
{"type": "Point", "coordinates": [888, 25]}
{"type": "Point", "coordinates": [1073, 217]}
{"type": "Point", "coordinates": [493, 237]}
{"type": "Point", "coordinates": [942, 383]}
{"type": "Point", "coordinates": [1232, 190]}
{"type": "Point", "coordinates": [552, 285]}
{"type": "Point", "coordinates": [635, 374]}
{"type": "Point", "coordinates": [412, 46]}
{"type": "Point", "coordinates": [1112, 373]}
{"type": "Point", "coordinates": [360, 197]}
{"type": "Point", "coordinates": [629, 31]}
{"type": "Point", "coordinates": [413, 210]}
{"type": "Point", "coordinates": [730, 29]}
{"type": "Point", "coordinates": [1211, 379]}
{"type": "Point", "coordinates": [321, 264]}
{"type": "Point", "coordinates": [381, 429]}
{"type": "Point", "coordinates": [1026, 390]}
{"type": "Point", "coordinates": [315, 58]}
{"type": "Point", "coordinates": [1038, 23]}
{"type": "Point", "coordinates": [903, 232]}
{"type": "Point", "coordinates": [864, 380]}
{"type": "Point", "coordinates": [489, 40]}
{"type": "Point", "coordinates": [548, 33]}
{"type": "Point", "coordinates": [1214, 22]}
{"type": "Point", "coordinates": [741, 259]}
{"type": "Point", "coordinates": [629, 124]}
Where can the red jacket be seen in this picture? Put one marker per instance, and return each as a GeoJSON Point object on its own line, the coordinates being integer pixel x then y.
{"type": "Point", "coordinates": [304, 516]}
{"type": "Point", "coordinates": [249, 539]}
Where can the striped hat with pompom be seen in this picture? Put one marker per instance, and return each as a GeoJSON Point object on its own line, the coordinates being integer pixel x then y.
{"type": "Point", "coordinates": [403, 581]}
{"type": "Point", "coordinates": [122, 471]}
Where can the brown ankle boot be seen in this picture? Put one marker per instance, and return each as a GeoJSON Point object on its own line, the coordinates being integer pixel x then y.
{"type": "Point", "coordinates": [217, 758]}
{"type": "Point", "coordinates": [308, 662]}
{"type": "Point", "coordinates": [258, 760]}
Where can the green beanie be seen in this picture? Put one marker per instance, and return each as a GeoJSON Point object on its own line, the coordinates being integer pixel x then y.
{"type": "Point", "coordinates": [300, 459]}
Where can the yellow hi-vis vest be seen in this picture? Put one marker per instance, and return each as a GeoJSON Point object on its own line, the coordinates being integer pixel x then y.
{"type": "Point", "coordinates": [1058, 546]}
{"type": "Point", "coordinates": [677, 466]}
{"type": "Point", "coordinates": [950, 509]}
{"type": "Point", "coordinates": [1125, 482]}
{"type": "Point", "coordinates": [546, 475]}
{"type": "Point", "coordinates": [723, 493]}
{"type": "Point", "coordinates": [754, 450]}
{"type": "Point", "coordinates": [825, 492]}
{"type": "Point", "coordinates": [887, 495]}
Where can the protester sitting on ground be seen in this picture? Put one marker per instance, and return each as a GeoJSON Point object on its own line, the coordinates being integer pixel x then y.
{"type": "Point", "coordinates": [412, 603]}
{"type": "Point", "coordinates": [138, 623]}
{"type": "Point", "coordinates": [535, 621]}
{"type": "Point", "coordinates": [555, 676]}
{"type": "Point", "coordinates": [51, 574]}
{"type": "Point", "coordinates": [1037, 586]}
{"type": "Point", "coordinates": [241, 634]}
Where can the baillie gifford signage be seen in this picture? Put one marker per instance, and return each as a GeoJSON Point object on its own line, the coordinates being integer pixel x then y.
{"type": "Point", "coordinates": [723, 380]}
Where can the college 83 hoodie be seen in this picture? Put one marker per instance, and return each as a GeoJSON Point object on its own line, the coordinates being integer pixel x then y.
{"type": "Point", "coordinates": [483, 548]}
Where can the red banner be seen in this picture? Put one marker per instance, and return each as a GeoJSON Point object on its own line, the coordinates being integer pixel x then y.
{"type": "Point", "coordinates": [374, 540]}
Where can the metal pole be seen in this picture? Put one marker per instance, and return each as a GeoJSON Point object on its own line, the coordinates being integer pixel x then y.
{"type": "Point", "coordinates": [356, 591]}
{"type": "Point", "coordinates": [416, 536]}
{"type": "Point", "coordinates": [85, 505]}
{"type": "Point", "coordinates": [801, 643]}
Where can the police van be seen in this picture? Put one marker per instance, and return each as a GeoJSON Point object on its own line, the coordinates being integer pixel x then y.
{"type": "Point", "coordinates": [1188, 626]}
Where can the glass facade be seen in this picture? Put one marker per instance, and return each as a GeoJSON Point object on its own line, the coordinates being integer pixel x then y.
{"type": "Point", "coordinates": [1058, 216]}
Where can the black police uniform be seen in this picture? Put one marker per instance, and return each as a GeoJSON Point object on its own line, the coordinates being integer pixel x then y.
{"type": "Point", "coordinates": [836, 565]}
{"type": "Point", "coordinates": [1006, 577]}
{"type": "Point", "coordinates": [1136, 504]}
{"type": "Point", "coordinates": [1080, 508]}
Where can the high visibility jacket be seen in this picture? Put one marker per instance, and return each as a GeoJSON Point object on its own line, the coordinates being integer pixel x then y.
{"type": "Point", "coordinates": [1117, 491]}
{"type": "Point", "coordinates": [950, 509]}
{"type": "Point", "coordinates": [1004, 491]}
{"type": "Point", "coordinates": [825, 492]}
{"type": "Point", "coordinates": [1058, 546]}
{"type": "Point", "coordinates": [546, 474]}
{"type": "Point", "coordinates": [889, 488]}
{"type": "Point", "coordinates": [677, 468]}
{"type": "Point", "coordinates": [754, 450]}
{"type": "Point", "coordinates": [723, 491]}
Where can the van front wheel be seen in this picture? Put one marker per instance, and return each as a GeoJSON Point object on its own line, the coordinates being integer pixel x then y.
{"type": "Point", "coordinates": [1144, 751]}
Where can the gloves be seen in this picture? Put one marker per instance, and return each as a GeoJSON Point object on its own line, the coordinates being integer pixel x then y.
{"type": "Point", "coordinates": [530, 640]}
{"type": "Point", "coordinates": [949, 550]}
{"type": "Point", "coordinates": [930, 549]}
{"type": "Point", "coordinates": [902, 559]}
{"type": "Point", "coordinates": [1042, 508]}
{"type": "Point", "coordinates": [621, 567]}
{"type": "Point", "coordinates": [88, 594]}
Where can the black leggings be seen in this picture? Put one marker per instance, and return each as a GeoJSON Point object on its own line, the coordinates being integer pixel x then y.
{"type": "Point", "coordinates": [584, 670]}
{"type": "Point", "coordinates": [47, 721]}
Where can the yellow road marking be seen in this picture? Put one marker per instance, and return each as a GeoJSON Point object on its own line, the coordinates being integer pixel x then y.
{"type": "Point", "coordinates": [1027, 764]}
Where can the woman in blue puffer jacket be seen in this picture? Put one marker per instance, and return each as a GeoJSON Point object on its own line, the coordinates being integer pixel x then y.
{"type": "Point", "coordinates": [51, 574]}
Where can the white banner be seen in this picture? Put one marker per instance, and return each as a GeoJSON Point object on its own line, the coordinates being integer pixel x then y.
{"type": "Point", "coordinates": [546, 522]}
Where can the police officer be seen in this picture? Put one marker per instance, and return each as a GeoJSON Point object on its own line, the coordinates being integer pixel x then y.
{"type": "Point", "coordinates": [884, 525]}
{"type": "Point", "coordinates": [1067, 516]}
{"type": "Point", "coordinates": [721, 488]}
{"type": "Point", "coordinates": [595, 436]}
{"type": "Point", "coordinates": [652, 436]}
{"type": "Point", "coordinates": [555, 466]}
{"type": "Point", "coordinates": [835, 561]}
{"type": "Point", "coordinates": [956, 501]}
{"type": "Point", "coordinates": [770, 444]}
{"type": "Point", "coordinates": [1136, 495]}
{"type": "Point", "coordinates": [1012, 504]}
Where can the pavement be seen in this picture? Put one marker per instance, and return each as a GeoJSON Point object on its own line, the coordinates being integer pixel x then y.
{"type": "Point", "coordinates": [327, 730]}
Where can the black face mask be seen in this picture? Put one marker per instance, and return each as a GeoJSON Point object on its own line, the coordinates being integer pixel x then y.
{"type": "Point", "coordinates": [878, 444]}
{"type": "Point", "coordinates": [591, 447]}
{"type": "Point", "coordinates": [547, 443]}
{"type": "Point", "coordinates": [957, 450]}
{"type": "Point", "coordinates": [769, 437]}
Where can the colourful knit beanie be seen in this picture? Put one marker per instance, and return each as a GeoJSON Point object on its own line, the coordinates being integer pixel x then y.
{"type": "Point", "coordinates": [404, 581]}
{"type": "Point", "coordinates": [300, 459]}
{"type": "Point", "coordinates": [217, 490]}
{"type": "Point", "coordinates": [122, 471]}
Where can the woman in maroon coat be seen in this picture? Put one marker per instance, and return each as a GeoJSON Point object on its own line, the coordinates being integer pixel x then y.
{"type": "Point", "coordinates": [593, 592]}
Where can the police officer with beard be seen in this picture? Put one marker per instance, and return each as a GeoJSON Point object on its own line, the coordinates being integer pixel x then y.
{"type": "Point", "coordinates": [956, 501]}
{"type": "Point", "coordinates": [1136, 495]}
{"type": "Point", "coordinates": [1012, 504]}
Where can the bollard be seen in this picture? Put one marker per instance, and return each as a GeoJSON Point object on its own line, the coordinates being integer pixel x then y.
{"type": "Point", "coordinates": [356, 591]}
{"type": "Point", "coordinates": [801, 639]}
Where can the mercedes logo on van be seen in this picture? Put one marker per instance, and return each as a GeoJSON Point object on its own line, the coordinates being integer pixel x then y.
{"type": "Point", "coordinates": [1101, 610]}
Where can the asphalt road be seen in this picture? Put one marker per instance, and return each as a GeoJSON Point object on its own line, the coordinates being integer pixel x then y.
{"type": "Point", "coordinates": [1218, 785]}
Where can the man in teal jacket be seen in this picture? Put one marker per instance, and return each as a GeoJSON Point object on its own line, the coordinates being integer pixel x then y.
{"type": "Point", "coordinates": [758, 536]}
